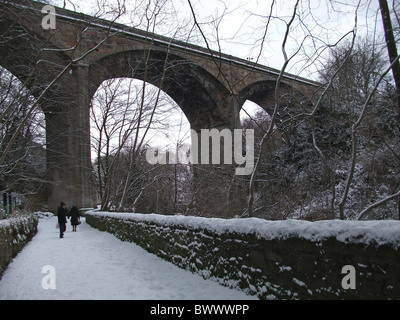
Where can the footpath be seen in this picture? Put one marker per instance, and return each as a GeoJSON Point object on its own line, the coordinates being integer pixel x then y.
{"type": "Point", "coordinates": [90, 264]}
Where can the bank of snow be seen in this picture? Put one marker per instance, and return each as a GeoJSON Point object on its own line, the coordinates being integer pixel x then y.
{"type": "Point", "coordinates": [377, 232]}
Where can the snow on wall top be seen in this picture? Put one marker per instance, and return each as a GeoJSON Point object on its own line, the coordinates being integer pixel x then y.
{"type": "Point", "coordinates": [5, 223]}
{"type": "Point", "coordinates": [377, 232]}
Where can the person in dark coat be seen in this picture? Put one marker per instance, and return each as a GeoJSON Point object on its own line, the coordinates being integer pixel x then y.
{"type": "Point", "coordinates": [62, 214]}
{"type": "Point", "coordinates": [74, 213]}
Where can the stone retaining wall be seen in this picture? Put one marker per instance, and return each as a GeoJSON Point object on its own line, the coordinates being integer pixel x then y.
{"type": "Point", "coordinates": [14, 234]}
{"type": "Point", "coordinates": [271, 267]}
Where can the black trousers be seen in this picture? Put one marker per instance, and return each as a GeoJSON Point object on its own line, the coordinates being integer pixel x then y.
{"type": "Point", "coordinates": [62, 229]}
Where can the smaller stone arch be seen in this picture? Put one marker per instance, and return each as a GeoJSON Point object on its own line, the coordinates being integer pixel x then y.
{"type": "Point", "coordinates": [292, 103]}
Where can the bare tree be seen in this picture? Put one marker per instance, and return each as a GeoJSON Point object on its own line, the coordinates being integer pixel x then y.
{"type": "Point", "coordinates": [114, 121]}
{"type": "Point", "coordinates": [23, 171]}
{"type": "Point", "coordinates": [312, 42]}
{"type": "Point", "coordinates": [122, 118]}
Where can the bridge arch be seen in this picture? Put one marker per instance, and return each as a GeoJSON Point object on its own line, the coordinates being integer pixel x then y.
{"type": "Point", "coordinates": [199, 94]}
{"type": "Point", "coordinates": [33, 59]}
{"type": "Point", "coordinates": [263, 93]}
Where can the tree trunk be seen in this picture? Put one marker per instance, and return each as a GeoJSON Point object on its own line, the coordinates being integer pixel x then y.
{"type": "Point", "coordinates": [391, 46]}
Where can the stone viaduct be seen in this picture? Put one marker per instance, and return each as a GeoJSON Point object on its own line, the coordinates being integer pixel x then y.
{"type": "Point", "coordinates": [210, 87]}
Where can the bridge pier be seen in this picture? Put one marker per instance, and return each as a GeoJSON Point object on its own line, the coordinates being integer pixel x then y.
{"type": "Point", "coordinates": [68, 142]}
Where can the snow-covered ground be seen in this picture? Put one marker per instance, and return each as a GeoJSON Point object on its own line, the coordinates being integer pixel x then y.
{"type": "Point", "coordinates": [90, 264]}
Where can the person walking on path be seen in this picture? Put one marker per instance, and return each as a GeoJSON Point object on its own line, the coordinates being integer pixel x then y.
{"type": "Point", "coordinates": [62, 214]}
{"type": "Point", "coordinates": [75, 219]}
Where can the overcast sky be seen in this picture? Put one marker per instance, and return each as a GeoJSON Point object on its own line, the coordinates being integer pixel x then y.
{"type": "Point", "coordinates": [241, 25]}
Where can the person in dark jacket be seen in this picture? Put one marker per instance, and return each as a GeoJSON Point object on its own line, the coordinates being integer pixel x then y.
{"type": "Point", "coordinates": [62, 214]}
{"type": "Point", "coordinates": [74, 213]}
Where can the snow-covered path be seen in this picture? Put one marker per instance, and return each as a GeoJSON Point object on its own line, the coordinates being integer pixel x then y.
{"type": "Point", "coordinates": [90, 264]}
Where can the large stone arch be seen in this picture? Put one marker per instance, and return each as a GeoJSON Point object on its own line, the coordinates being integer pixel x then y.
{"type": "Point", "coordinates": [34, 59]}
{"type": "Point", "coordinates": [200, 96]}
{"type": "Point", "coordinates": [203, 99]}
